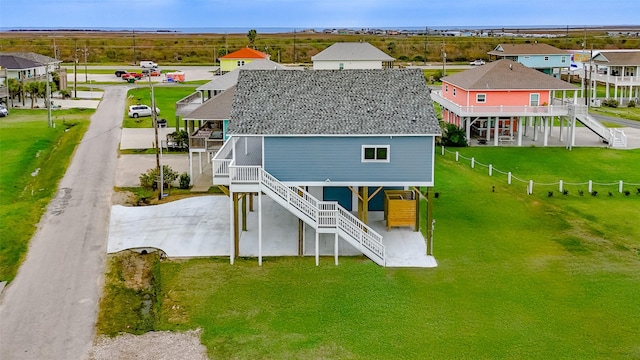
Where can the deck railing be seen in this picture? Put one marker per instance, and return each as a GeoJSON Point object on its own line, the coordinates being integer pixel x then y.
{"type": "Point", "coordinates": [188, 103]}
{"type": "Point", "coordinates": [222, 160]}
{"type": "Point", "coordinates": [616, 80]}
{"type": "Point", "coordinates": [550, 110]}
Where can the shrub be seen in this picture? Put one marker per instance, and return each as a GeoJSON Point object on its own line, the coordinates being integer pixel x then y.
{"type": "Point", "coordinates": [150, 178]}
{"type": "Point", "coordinates": [65, 94]}
{"type": "Point", "coordinates": [185, 181]}
{"type": "Point", "coordinates": [452, 135]}
{"type": "Point", "coordinates": [632, 103]}
{"type": "Point", "coordinates": [611, 103]}
{"type": "Point", "coordinates": [181, 138]}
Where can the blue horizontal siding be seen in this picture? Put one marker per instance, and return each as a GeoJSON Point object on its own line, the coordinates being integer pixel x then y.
{"type": "Point", "coordinates": [312, 159]}
{"type": "Point", "coordinates": [537, 61]}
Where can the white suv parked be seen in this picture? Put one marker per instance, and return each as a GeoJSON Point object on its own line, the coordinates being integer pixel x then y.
{"type": "Point", "coordinates": [136, 111]}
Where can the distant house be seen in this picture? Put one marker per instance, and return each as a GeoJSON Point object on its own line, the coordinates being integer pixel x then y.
{"type": "Point", "coordinates": [351, 55]}
{"type": "Point", "coordinates": [240, 58]}
{"type": "Point", "coordinates": [29, 66]}
{"type": "Point", "coordinates": [324, 143]}
{"type": "Point", "coordinates": [497, 103]}
{"type": "Point", "coordinates": [543, 57]}
{"type": "Point", "coordinates": [620, 70]}
{"type": "Point", "coordinates": [205, 112]}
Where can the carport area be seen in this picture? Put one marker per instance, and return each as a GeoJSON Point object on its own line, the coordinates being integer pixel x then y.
{"type": "Point", "coordinates": [199, 227]}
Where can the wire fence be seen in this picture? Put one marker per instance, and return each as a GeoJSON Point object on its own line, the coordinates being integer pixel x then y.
{"type": "Point", "coordinates": [562, 186]}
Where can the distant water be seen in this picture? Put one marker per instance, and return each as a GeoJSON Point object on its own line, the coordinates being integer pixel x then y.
{"type": "Point", "coordinates": [277, 30]}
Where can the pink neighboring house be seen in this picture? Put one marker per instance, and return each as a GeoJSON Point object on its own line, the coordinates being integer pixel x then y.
{"type": "Point", "coordinates": [503, 90]}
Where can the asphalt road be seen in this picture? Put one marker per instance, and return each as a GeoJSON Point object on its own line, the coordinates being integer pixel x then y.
{"type": "Point", "coordinates": [50, 309]}
{"type": "Point", "coordinates": [624, 122]}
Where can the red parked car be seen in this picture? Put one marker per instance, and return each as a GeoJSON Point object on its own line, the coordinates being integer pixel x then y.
{"type": "Point", "coordinates": [131, 75]}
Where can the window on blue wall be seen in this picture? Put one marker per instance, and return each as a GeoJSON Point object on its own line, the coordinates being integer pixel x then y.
{"type": "Point", "coordinates": [546, 58]}
{"type": "Point", "coordinates": [378, 153]}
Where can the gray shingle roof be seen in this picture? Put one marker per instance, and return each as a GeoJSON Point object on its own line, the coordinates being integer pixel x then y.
{"type": "Point", "coordinates": [352, 51]}
{"type": "Point", "coordinates": [618, 58]}
{"type": "Point", "coordinates": [333, 102]}
{"type": "Point", "coordinates": [217, 108]}
{"type": "Point", "coordinates": [27, 60]}
{"type": "Point", "coordinates": [229, 79]}
{"type": "Point", "coordinates": [526, 49]}
{"type": "Point", "coordinates": [505, 75]}
{"type": "Point", "coordinates": [13, 62]}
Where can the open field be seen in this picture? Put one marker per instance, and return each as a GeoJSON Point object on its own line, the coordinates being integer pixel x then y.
{"type": "Point", "coordinates": [33, 159]}
{"type": "Point", "coordinates": [181, 48]}
{"type": "Point", "coordinates": [519, 277]}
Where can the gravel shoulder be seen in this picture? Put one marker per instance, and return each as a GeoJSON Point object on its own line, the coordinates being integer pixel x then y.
{"type": "Point", "coordinates": [162, 345]}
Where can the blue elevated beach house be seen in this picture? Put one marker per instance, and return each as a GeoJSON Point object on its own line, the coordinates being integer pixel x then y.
{"type": "Point", "coordinates": [346, 152]}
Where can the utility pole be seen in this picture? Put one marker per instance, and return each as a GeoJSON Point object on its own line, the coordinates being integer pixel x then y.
{"type": "Point", "coordinates": [85, 63]}
{"type": "Point", "coordinates": [426, 42]}
{"type": "Point", "coordinates": [584, 66]}
{"type": "Point", "coordinates": [295, 59]}
{"type": "Point", "coordinates": [444, 60]}
{"type": "Point", "coordinates": [135, 60]}
{"type": "Point", "coordinates": [55, 48]}
{"type": "Point", "coordinates": [155, 126]}
{"type": "Point", "coordinates": [50, 122]}
{"type": "Point", "coordinates": [75, 72]}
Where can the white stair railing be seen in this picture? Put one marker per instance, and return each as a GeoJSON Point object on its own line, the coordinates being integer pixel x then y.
{"type": "Point", "coordinates": [619, 138]}
{"type": "Point", "coordinates": [320, 214]}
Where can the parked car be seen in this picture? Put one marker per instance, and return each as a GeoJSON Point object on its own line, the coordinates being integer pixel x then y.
{"type": "Point", "coordinates": [477, 62]}
{"type": "Point", "coordinates": [148, 64]}
{"type": "Point", "coordinates": [136, 111]}
{"type": "Point", "coordinates": [151, 72]}
{"type": "Point", "coordinates": [131, 75]}
{"type": "Point", "coordinates": [121, 72]}
{"type": "Point", "coordinates": [3, 110]}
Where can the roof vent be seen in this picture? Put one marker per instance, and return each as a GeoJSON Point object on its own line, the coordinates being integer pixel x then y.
{"type": "Point", "coordinates": [510, 66]}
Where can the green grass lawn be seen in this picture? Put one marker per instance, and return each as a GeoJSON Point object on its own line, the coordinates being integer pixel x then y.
{"type": "Point", "coordinates": [165, 96]}
{"type": "Point", "coordinates": [33, 159]}
{"type": "Point", "coordinates": [519, 277]}
{"type": "Point", "coordinates": [629, 113]}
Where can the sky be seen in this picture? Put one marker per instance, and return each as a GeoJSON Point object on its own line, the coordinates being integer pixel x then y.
{"type": "Point", "coordinates": [303, 14]}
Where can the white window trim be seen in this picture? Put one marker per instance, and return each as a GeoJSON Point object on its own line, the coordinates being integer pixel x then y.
{"type": "Point", "coordinates": [446, 88]}
{"type": "Point", "coordinates": [454, 91]}
{"type": "Point", "coordinates": [531, 99]}
{"type": "Point", "coordinates": [546, 58]}
{"type": "Point", "coordinates": [478, 98]}
{"type": "Point", "coordinates": [376, 147]}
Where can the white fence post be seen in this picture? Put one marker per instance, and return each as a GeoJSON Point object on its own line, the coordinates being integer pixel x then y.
{"type": "Point", "coordinates": [530, 187]}
{"type": "Point", "coordinates": [443, 150]}
{"type": "Point", "coordinates": [457, 155]}
{"type": "Point", "coordinates": [590, 186]}
{"type": "Point", "coordinates": [620, 187]}
{"type": "Point", "coordinates": [490, 170]}
{"type": "Point", "coordinates": [473, 163]}
{"type": "Point", "coordinates": [509, 178]}
{"type": "Point", "coordinates": [560, 189]}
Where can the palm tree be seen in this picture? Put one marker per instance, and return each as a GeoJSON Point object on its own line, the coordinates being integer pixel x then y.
{"type": "Point", "coordinates": [252, 35]}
